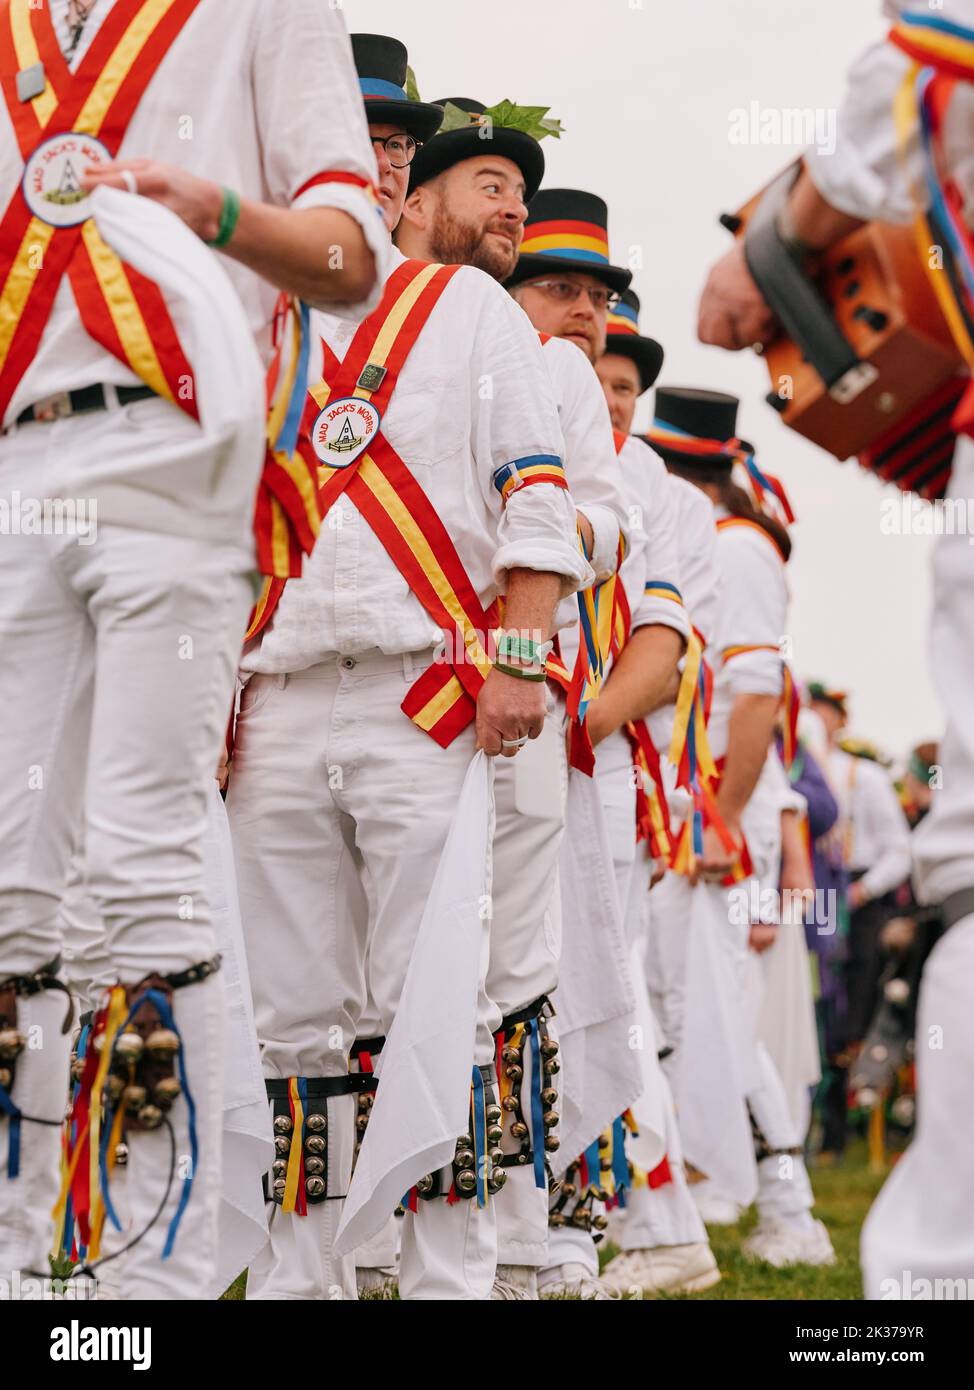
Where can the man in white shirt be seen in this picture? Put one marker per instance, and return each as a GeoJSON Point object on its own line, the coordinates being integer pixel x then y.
{"type": "Point", "coordinates": [468, 200]}
{"type": "Point", "coordinates": [336, 797]}
{"type": "Point", "coordinates": [129, 378]}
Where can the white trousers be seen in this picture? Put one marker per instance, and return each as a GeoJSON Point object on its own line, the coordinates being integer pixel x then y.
{"type": "Point", "coordinates": [335, 793]}
{"type": "Point", "coordinates": [119, 651]}
{"type": "Point", "coordinates": [525, 945]}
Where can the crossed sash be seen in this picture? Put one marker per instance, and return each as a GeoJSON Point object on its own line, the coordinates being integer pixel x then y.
{"type": "Point", "coordinates": [84, 114]}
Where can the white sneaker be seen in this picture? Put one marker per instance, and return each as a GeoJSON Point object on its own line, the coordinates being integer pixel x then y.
{"type": "Point", "coordinates": [666, 1268]}
{"type": "Point", "coordinates": [515, 1284]}
{"type": "Point", "coordinates": [376, 1283]}
{"type": "Point", "coordinates": [780, 1243]}
{"type": "Point", "coordinates": [572, 1281]}
{"type": "Point", "coordinates": [714, 1207]}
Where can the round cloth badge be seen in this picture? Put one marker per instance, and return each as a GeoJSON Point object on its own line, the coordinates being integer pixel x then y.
{"type": "Point", "coordinates": [343, 430]}
{"type": "Point", "coordinates": [52, 178]}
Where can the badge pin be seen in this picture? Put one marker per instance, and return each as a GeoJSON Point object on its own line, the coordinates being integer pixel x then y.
{"type": "Point", "coordinates": [31, 82]}
{"type": "Point", "coordinates": [372, 377]}
{"type": "Point", "coordinates": [343, 430]}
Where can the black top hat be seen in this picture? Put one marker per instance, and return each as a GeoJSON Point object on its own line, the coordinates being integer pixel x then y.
{"type": "Point", "coordinates": [567, 230]}
{"type": "Point", "coordinates": [381, 66]}
{"type": "Point", "coordinates": [687, 422]}
{"type": "Point", "coordinates": [623, 338]}
{"type": "Point", "coordinates": [454, 146]}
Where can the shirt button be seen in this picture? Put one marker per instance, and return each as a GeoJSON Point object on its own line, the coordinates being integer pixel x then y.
{"type": "Point", "coordinates": [347, 662]}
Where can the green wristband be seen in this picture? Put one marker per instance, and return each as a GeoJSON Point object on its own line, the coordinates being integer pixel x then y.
{"type": "Point", "coordinates": [520, 672]}
{"type": "Point", "coordinates": [229, 217]}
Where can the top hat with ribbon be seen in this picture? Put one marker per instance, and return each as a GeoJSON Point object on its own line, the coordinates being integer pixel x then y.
{"type": "Point", "coordinates": [623, 337]}
{"type": "Point", "coordinates": [381, 66]}
{"type": "Point", "coordinates": [483, 133]}
{"type": "Point", "coordinates": [567, 230]}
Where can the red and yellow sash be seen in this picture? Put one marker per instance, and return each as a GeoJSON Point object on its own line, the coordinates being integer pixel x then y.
{"type": "Point", "coordinates": [120, 309]}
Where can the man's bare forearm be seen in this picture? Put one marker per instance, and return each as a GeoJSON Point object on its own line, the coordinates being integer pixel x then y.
{"type": "Point", "coordinates": [529, 608]}
{"type": "Point", "coordinates": [815, 222]}
{"type": "Point", "coordinates": [749, 737]}
{"type": "Point", "coordinates": [318, 254]}
{"type": "Point", "coordinates": [640, 681]}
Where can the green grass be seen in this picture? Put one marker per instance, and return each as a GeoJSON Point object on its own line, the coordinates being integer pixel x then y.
{"type": "Point", "coordinates": [843, 1195]}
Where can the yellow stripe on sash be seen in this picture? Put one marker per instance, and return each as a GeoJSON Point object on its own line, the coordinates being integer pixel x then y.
{"type": "Point", "coordinates": [280, 539]}
{"type": "Point", "coordinates": [386, 496]}
{"type": "Point", "coordinates": [120, 64]}
{"type": "Point", "coordinates": [395, 319]}
{"type": "Point", "coordinates": [441, 704]}
{"type": "Point", "coordinates": [25, 46]}
{"type": "Point", "coordinates": [124, 309]}
{"type": "Point", "coordinates": [23, 273]}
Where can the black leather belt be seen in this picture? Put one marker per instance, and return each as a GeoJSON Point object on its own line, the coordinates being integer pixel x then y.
{"type": "Point", "coordinates": [80, 402]}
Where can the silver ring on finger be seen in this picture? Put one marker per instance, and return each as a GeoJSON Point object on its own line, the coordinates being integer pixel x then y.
{"type": "Point", "coordinates": [129, 179]}
{"type": "Point", "coordinates": [514, 743]}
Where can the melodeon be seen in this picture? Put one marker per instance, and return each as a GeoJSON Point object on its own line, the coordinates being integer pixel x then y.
{"type": "Point", "coordinates": [865, 364]}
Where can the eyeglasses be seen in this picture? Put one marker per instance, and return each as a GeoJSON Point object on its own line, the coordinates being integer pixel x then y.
{"type": "Point", "coordinates": [400, 149]}
{"type": "Point", "coordinates": [567, 291]}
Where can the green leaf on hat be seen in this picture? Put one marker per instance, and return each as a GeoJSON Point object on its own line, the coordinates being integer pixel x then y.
{"type": "Point", "coordinates": [412, 91]}
{"type": "Point", "coordinates": [506, 115]}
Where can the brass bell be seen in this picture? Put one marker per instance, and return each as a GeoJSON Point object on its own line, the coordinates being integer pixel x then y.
{"type": "Point", "coordinates": [129, 1047]}
{"type": "Point", "coordinates": [282, 1144]}
{"type": "Point", "coordinates": [166, 1090]}
{"type": "Point", "coordinates": [549, 1048]}
{"type": "Point", "coordinates": [280, 1168]}
{"type": "Point", "coordinates": [600, 1222]}
{"type": "Point", "coordinates": [496, 1180]}
{"type": "Point", "coordinates": [464, 1158]}
{"type": "Point", "coordinates": [550, 1118]}
{"type": "Point", "coordinates": [361, 1123]}
{"type": "Point", "coordinates": [314, 1166]}
{"type": "Point", "coordinates": [150, 1116]}
{"type": "Point", "coordinates": [162, 1043]}
{"type": "Point", "coordinates": [519, 1130]}
{"type": "Point", "coordinates": [363, 1101]}
{"type": "Point", "coordinates": [12, 1044]}
{"type": "Point", "coordinates": [315, 1187]}
{"type": "Point", "coordinates": [134, 1097]}
{"type": "Point", "coordinates": [510, 1054]}
{"type": "Point", "coordinates": [552, 1142]}
{"type": "Point", "coordinates": [466, 1182]}
{"type": "Point", "coordinates": [604, 1141]}
{"type": "Point", "coordinates": [77, 1068]}
{"type": "Point", "coordinates": [283, 1124]}
{"type": "Point", "coordinates": [425, 1184]}
{"type": "Point", "coordinates": [514, 1072]}
{"type": "Point", "coordinates": [569, 1189]}
{"type": "Point", "coordinates": [549, 1095]}
{"type": "Point", "coordinates": [605, 1165]}
{"type": "Point", "coordinates": [279, 1187]}
{"type": "Point", "coordinates": [314, 1144]}
{"type": "Point", "coordinates": [316, 1123]}
{"type": "Point", "coordinates": [582, 1217]}
{"type": "Point", "coordinates": [492, 1114]}
{"type": "Point", "coordinates": [464, 1142]}
{"type": "Point", "coordinates": [496, 1157]}
{"type": "Point", "coordinates": [115, 1085]}
{"type": "Point", "coordinates": [556, 1219]}
{"type": "Point", "coordinates": [121, 1155]}
{"type": "Point", "coordinates": [509, 1102]}
{"type": "Point", "coordinates": [494, 1134]}
{"type": "Point", "coordinates": [551, 1066]}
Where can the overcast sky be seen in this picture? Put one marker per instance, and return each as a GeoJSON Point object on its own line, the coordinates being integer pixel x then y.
{"type": "Point", "coordinates": [646, 93]}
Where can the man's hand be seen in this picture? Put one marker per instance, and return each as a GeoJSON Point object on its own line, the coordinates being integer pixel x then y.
{"type": "Point", "coordinates": [196, 201]}
{"type": "Point", "coordinates": [761, 936]}
{"type": "Point", "coordinates": [508, 709]}
{"type": "Point", "coordinates": [732, 313]}
{"type": "Point", "coordinates": [716, 861]}
{"type": "Point", "coordinates": [223, 768]}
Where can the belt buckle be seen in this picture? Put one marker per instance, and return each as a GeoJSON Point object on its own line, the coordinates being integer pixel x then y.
{"type": "Point", "coordinates": [54, 407]}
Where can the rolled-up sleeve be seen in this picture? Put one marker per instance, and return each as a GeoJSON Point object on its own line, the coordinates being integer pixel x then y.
{"type": "Point", "coordinates": [519, 446]}
{"type": "Point", "coordinates": [312, 127]}
{"type": "Point", "coordinates": [655, 513]}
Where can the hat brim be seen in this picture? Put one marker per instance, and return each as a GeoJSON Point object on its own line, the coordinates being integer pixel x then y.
{"type": "Point", "coordinates": [419, 119]}
{"type": "Point", "coordinates": [689, 461]}
{"type": "Point", "coordinates": [646, 353]}
{"type": "Point", "coordinates": [454, 146]}
{"type": "Point", "coordinates": [532, 264]}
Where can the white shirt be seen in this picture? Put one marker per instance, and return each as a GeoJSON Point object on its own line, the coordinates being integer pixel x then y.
{"type": "Point", "coordinates": [590, 451]}
{"type": "Point", "coordinates": [753, 611]}
{"type": "Point", "coordinates": [260, 97]}
{"type": "Point", "coordinates": [473, 395]}
{"type": "Point", "coordinates": [872, 828]}
{"type": "Point", "coordinates": [863, 176]}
